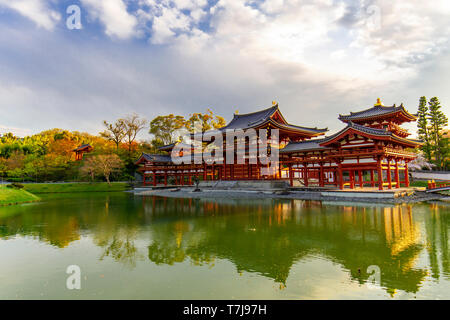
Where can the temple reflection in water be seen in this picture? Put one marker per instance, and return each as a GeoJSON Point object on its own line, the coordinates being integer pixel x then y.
{"type": "Point", "coordinates": [266, 237]}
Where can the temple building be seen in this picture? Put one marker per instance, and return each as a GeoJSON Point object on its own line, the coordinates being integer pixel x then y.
{"type": "Point", "coordinates": [81, 150]}
{"type": "Point", "coordinates": [371, 151]}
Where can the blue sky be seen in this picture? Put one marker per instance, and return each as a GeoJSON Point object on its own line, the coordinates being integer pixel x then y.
{"type": "Point", "coordinates": [316, 58]}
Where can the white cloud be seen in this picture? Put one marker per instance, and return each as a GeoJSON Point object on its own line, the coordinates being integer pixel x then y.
{"type": "Point", "coordinates": [35, 10]}
{"type": "Point", "coordinates": [114, 16]}
{"type": "Point", "coordinates": [168, 23]}
{"type": "Point", "coordinates": [316, 58]}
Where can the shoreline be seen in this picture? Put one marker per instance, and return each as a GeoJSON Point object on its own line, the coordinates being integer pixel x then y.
{"type": "Point", "coordinates": [417, 197]}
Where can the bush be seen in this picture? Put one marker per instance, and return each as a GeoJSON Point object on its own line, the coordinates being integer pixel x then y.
{"type": "Point", "coordinates": [15, 185]}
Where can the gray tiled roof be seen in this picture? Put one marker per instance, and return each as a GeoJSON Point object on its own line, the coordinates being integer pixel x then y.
{"type": "Point", "coordinates": [372, 131]}
{"type": "Point", "coordinates": [312, 145]}
{"type": "Point", "coordinates": [172, 145]}
{"type": "Point", "coordinates": [251, 120]}
{"type": "Point", "coordinates": [156, 157]}
{"type": "Point", "coordinates": [303, 146]}
{"type": "Point", "coordinates": [82, 147]}
{"type": "Point", "coordinates": [243, 121]}
{"type": "Point", "coordinates": [375, 111]}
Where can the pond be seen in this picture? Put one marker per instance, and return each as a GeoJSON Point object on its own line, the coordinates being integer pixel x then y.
{"type": "Point", "coordinates": [133, 247]}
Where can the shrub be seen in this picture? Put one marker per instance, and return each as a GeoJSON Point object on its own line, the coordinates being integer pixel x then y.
{"type": "Point", "coordinates": [15, 185]}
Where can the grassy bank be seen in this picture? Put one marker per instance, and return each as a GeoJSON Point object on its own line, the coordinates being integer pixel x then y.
{"type": "Point", "coordinates": [419, 183]}
{"type": "Point", "coordinates": [10, 196]}
{"type": "Point", "coordinates": [37, 188]}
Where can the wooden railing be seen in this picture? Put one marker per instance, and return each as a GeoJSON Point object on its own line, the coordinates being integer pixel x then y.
{"type": "Point", "coordinates": [398, 152]}
{"type": "Point", "coordinates": [433, 185]}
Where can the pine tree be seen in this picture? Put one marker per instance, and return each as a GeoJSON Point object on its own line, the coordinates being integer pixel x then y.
{"type": "Point", "coordinates": [423, 128]}
{"type": "Point", "coordinates": [438, 121]}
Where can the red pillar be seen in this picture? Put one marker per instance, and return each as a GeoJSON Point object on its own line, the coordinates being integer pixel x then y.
{"type": "Point", "coordinates": [360, 177]}
{"type": "Point", "coordinates": [380, 174]}
{"type": "Point", "coordinates": [352, 179]}
{"type": "Point", "coordinates": [406, 175]}
{"type": "Point", "coordinates": [389, 174]}
{"type": "Point", "coordinates": [143, 178]}
{"type": "Point", "coordinates": [372, 179]}
{"type": "Point", "coordinates": [305, 176]}
{"type": "Point", "coordinates": [397, 177]}
{"type": "Point", "coordinates": [291, 178]}
{"type": "Point", "coordinates": [154, 178]}
{"type": "Point", "coordinates": [341, 176]}
{"type": "Point", "coordinates": [321, 178]}
{"type": "Point", "coordinates": [165, 177]}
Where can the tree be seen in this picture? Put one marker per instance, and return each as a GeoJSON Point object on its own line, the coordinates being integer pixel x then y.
{"type": "Point", "coordinates": [438, 121]}
{"type": "Point", "coordinates": [208, 121]}
{"type": "Point", "coordinates": [114, 132]}
{"type": "Point", "coordinates": [162, 127]}
{"type": "Point", "coordinates": [104, 164]}
{"type": "Point", "coordinates": [133, 125]}
{"type": "Point", "coordinates": [89, 168]}
{"type": "Point", "coordinates": [3, 168]}
{"type": "Point", "coordinates": [420, 163]}
{"type": "Point", "coordinates": [423, 128]}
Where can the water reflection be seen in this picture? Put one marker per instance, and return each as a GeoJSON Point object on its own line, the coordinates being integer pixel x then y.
{"type": "Point", "coordinates": [267, 237]}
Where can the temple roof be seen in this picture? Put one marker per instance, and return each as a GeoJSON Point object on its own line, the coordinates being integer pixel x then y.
{"type": "Point", "coordinates": [154, 158]}
{"type": "Point", "coordinates": [321, 144]}
{"type": "Point", "coordinates": [371, 131]}
{"type": "Point", "coordinates": [169, 147]}
{"type": "Point", "coordinates": [309, 145]}
{"type": "Point", "coordinates": [259, 118]}
{"type": "Point", "coordinates": [378, 110]}
{"type": "Point", "coordinates": [83, 147]}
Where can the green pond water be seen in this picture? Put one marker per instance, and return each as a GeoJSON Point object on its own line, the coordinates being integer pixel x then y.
{"type": "Point", "coordinates": [135, 247]}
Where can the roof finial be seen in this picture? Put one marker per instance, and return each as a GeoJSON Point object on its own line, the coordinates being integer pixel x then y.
{"type": "Point", "coordinates": [379, 103]}
{"type": "Point", "coordinates": [236, 111]}
{"type": "Point", "coordinates": [274, 103]}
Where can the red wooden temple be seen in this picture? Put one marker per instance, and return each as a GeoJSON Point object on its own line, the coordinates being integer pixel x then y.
{"type": "Point", "coordinates": [82, 150]}
{"type": "Point", "coordinates": [371, 151]}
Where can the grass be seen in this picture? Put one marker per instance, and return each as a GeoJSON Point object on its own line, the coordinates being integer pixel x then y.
{"type": "Point", "coordinates": [37, 188]}
{"type": "Point", "coordinates": [10, 196]}
{"type": "Point", "coordinates": [419, 184]}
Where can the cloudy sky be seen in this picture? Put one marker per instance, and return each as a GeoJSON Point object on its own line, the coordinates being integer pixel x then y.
{"type": "Point", "coordinates": [316, 58]}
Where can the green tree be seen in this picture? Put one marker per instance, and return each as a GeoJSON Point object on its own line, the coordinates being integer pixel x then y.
{"type": "Point", "coordinates": [438, 121]}
{"type": "Point", "coordinates": [162, 127]}
{"type": "Point", "coordinates": [423, 128]}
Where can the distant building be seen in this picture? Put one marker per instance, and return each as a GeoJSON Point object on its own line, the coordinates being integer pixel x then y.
{"type": "Point", "coordinates": [85, 148]}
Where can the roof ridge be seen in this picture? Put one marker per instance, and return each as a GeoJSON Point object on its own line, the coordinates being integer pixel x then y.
{"type": "Point", "coordinates": [365, 110]}
{"type": "Point", "coordinates": [260, 111]}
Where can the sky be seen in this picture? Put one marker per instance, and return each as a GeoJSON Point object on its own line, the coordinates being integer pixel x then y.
{"type": "Point", "coordinates": [317, 59]}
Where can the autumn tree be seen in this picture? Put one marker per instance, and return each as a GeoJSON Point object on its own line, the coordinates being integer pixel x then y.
{"type": "Point", "coordinates": [103, 164]}
{"type": "Point", "coordinates": [438, 121]}
{"type": "Point", "coordinates": [133, 124]}
{"type": "Point", "coordinates": [114, 132]}
{"type": "Point", "coordinates": [163, 127]}
{"type": "Point", "coordinates": [207, 120]}
{"type": "Point", "coordinates": [424, 128]}
{"type": "Point", "coordinates": [89, 168]}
